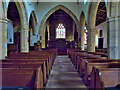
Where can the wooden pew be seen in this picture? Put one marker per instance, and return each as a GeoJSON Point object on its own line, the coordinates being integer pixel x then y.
{"type": "Point", "coordinates": [35, 55]}
{"type": "Point", "coordinates": [83, 54]}
{"type": "Point", "coordinates": [29, 56]}
{"type": "Point", "coordinates": [28, 64]}
{"type": "Point", "coordinates": [75, 54]}
{"type": "Point", "coordinates": [80, 63]}
{"type": "Point", "coordinates": [104, 50]}
{"type": "Point", "coordinates": [95, 63]}
{"type": "Point", "coordinates": [51, 53]}
{"type": "Point", "coordinates": [99, 53]}
{"type": "Point", "coordinates": [104, 78]}
{"type": "Point", "coordinates": [28, 60]}
{"type": "Point", "coordinates": [24, 78]}
{"type": "Point", "coordinates": [33, 59]}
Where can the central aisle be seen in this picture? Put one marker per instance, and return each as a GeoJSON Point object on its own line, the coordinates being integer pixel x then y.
{"type": "Point", "coordinates": [64, 75]}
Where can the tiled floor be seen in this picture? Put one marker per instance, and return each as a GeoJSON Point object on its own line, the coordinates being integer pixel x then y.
{"type": "Point", "coordinates": [64, 75]}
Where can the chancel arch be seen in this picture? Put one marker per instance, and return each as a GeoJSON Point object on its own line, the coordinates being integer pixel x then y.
{"type": "Point", "coordinates": [43, 22]}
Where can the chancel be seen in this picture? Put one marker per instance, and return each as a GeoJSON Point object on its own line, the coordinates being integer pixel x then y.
{"type": "Point", "coordinates": [60, 44]}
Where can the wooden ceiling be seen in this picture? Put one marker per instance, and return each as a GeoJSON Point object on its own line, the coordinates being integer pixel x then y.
{"type": "Point", "coordinates": [60, 16]}
{"type": "Point", "coordinates": [101, 13]}
{"type": "Point", "coordinates": [101, 16]}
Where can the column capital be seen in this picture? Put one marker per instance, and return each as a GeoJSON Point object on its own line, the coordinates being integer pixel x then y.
{"type": "Point", "coordinates": [4, 20]}
{"type": "Point", "coordinates": [92, 29]}
{"type": "Point", "coordinates": [113, 18]}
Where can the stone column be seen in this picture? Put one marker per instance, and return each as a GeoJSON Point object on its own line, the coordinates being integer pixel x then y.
{"type": "Point", "coordinates": [43, 38]}
{"type": "Point", "coordinates": [24, 40]}
{"type": "Point", "coordinates": [72, 37]}
{"type": "Point", "coordinates": [91, 40]}
{"type": "Point", "coordinates": [114, 38]}
{"type": "Point", "coordinates": [24, 44]}
{"type": "Point", "coordinates": [48, 30]}
{"type": "Point", "coordinates": [3, 37]}
{"type": "Point", "coordinates": [114, 32]}
{"type": "Point", "coordinates": [82, 38]}
{"type": "Point", "coordinates": [79, 38]}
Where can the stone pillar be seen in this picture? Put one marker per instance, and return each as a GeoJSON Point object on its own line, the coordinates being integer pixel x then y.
{"type": "Point", "coordinates": [72, 37]}
{"type": "Point", "coordinates": [24, 40]}
{"type": "Point", "coordinates": [114, 32]}
{"type": "Point", "coordinates": [3, 37]}
{"type": "Point", "coordinates": [48, 30]}
{"type": "Point", "coordinates": [79, 38]}
{"type": "Point", "coordinates": [24, 34]}
{"type": "Point", "coordinates": [91, 40]}
{"type": "Point", "coordinates": [82, 38]}
{"type": "Point", "coordinates": [114, 41]}
{"type": "Point", "coordinates": [43, 38]}
{"type": "Point", "coordinates": [82, 24]}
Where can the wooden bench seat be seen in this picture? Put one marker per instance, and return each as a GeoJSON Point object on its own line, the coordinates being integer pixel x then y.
{"type": "Point", "coordinates": [32, 59]}
{"type": "Point", "coordinates": [27, 56]}
{"type": "Point", "coordinates": [51, 53]}
{"type": "Point", "coordinates": [14, 77]}
{"type": "Point", "coordinates": [29, 64]}
{"type": "Point", "coordinates": [101, 50]}
{"type": "Point", "coordinates": [75, 54]}
{"type": "Point", "coordinates": [82, 55]}
{"type": "Point", "coordinates": [99, 53]}
{"type": "Point", "coordinates": [96, 63]}
{"type": "Point", "coordinates": [80, 63]}
{"type": "Point", "coordinates": [104, 77]}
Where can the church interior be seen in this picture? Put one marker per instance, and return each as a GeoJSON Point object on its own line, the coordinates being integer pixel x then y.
{"type": "Point", "coordinates": [53, 44]}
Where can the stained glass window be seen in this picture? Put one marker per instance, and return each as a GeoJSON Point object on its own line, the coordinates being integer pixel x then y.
{"type": "Point", "coordinates": [60, 31]}
{"type": "Point", "coordinates": [85, 35]}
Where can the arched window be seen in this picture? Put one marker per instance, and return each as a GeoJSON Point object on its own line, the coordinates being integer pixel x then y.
{"type": "Point", "coordinates": [60, 31]}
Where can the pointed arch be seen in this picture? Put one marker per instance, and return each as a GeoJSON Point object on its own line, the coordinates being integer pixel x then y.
{"type": "Point", "coordinates": [55, 9]}
{"type": "Point", "coordinates": [22, 13]}
{"type": "Point", "coordinates": [82, 17]}
{"type": "Point", "coordinates": [93, 6]}
{"type": "Point", "coordinates": [33, 22]}
{"type": "Point", "coordinates": [91, 22]}
{"type": "Point", "coordinates": [43, 22]}
{"type": "Point", "coordinates": [24, 25]}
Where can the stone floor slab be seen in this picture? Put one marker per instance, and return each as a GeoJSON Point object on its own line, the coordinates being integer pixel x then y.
{"type": "Point", "coordinates": [64, 75]}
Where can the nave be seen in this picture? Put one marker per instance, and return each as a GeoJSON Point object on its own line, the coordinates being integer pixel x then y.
{"type": "Point", "coordinates": [32, 34]}
{"type": "Point", "coordinates": [64, 75]}
{"type": "Point", "coordinates": [77, 69]}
